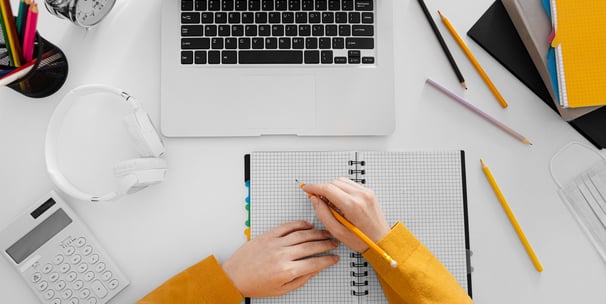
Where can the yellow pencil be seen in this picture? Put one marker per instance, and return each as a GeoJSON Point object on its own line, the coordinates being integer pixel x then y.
{"type": "Point", "coordinates": [473, 60]}
{"type": "Point", "coordinates": [354, 229]}
{"type": "Point", "coordinates": [511, 217]}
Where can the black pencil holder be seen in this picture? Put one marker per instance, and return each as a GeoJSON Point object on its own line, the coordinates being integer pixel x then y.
{"type": "Point", "coordinates": [48, 73]}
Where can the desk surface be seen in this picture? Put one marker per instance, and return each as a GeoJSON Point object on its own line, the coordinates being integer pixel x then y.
{"type": "Point", "coordinates": [199, 211]}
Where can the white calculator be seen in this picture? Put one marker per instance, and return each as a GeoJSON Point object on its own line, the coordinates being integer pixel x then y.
{"type": "Point", "coordinates": [58, 256]}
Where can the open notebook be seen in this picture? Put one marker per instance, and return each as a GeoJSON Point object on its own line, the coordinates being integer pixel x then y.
{"type": "Point", "coordinates": [424, 190]}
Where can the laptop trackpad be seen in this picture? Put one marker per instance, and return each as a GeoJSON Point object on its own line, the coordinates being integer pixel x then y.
{"type": "Point", "coordinates": [279, 104]}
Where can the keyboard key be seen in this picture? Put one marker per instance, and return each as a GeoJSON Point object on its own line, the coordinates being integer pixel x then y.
{"type": "Point", "coordinates": [229, 57]}
{"type": "Point", "coordinates": [344, 30]}
{"type": "Point", "coordinates": [353, 60]}
{"type": "Point", "coordinates": [284, 43]}
{"type": "Point", "coordinates": [271, 43]}
{"type": "Point", "coordinates": [270, 57]}
{"type": "Point", "coordinates": [191, 30]}
{"type": "Point", "coordinates": [360, 43]}
{"type": "Point", "coordinates": [307, 5]}
{"type": "Point", "coordinates": [98, 288]}
{"type": "Point", "coordinates": [257, 43]}
{"type": "Point", "coordinates": [364, 5]}
{"type": "Point", "coordinates": [210, 30]}
{"type": "Point", "coordinates": [362, 30]}
{"type": "Point", "coordinates": [237, 30]}
{"type": "Point", "coordinates": [301, 17]}
{"type": "Point", "coordinates": [324, 43]}
{"type": "Point", "coordinates": [294, 5]}
{"type": "Point", "coordinates": [368, 17]}
{"type": "Point", "coordinates": [304, 30]}
{"type": "Point", "coordinates": [233, 17]}
{"type": "Point", "coordinates": [244, 43]}
{"type": "Point", "coordinates": [338, 43]}
{"type": "Point", "coordinates": [354, 17]}
{"type": "Point", "coordinates": [240, 5]}
{"type": "Point", "coordinates": [195, 43]}
{"type": "Point", "coordinates": [312, 57]}
{"type": "Point", "coordinates": [187, 5]}
{"type": "Point", "coordinates": [331, 30]}
{"type": "Point", "coordinates": [254, 5]}
{"type": "Point", "coordinates": [340, 60]}
{"type": "Point", "coordinates": [298, 43]}
{"type": "Point", "coordinates": [347, 5]}
{"type": "Point", "coordinates": [315, 17]}
{"type": "Point", "coordinates": [216, 43]}
{"type": "Point", "coordinates": [326, 57]}
{"type": "Point", "coordinates": [334, 5]}
{"type": "Point", "coordinates": [190, 18]}
{"type": "Point", "coordinates": [261, 17]}
{"type": "Point", "coordinates": [277, 30]}
{"type": "Point", "coordinates": [368, 60]}
{"type": "Point", "coordinates": [214, 57]}
{"type": "Point", "coordinates": [321, 5]}
{"type": "Point", "coordinates": [317, 30]}
{"type": "Point", "coordinates": [200, 57]}
{"type": "Point", "coordinates": [341, 17]}
{"type": "Point", "coordinates": [264, 30]}
{"type": "Point", "coordinates": [311, 43]}
{"type": "Point", "coordinates": [231, 43]}
{"type": "Point", "coordinates": [291, 30]}
{"type": "Point", "coordinates": [267, 5]}
{"type": "Point", "coordinates": [224, 30]}
{"type": "Point", "coordinates": [207, 18]}
{"type": "Point", "coordinates": [274, 17]}
{"type": "Point", "coordinates": [200, 5]}
{"type": "Point", "coordinates": [214, 5]}
{"type": "Point", "coordinates": [248, 17]}
{"type": "Point", "coordinates": [250, 30]}
{"type": "Point", "coordinates": [227, 5]}
{"type": "Point", "coordinates": [328, 17]}
{"type": "Point", "coordinates": [281, 5]}
{"type": "Point", "coordinates": [221, 17]}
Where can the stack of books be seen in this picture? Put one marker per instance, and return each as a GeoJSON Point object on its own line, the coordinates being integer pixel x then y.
{"type": "Point", "coordinates": [556, 49]}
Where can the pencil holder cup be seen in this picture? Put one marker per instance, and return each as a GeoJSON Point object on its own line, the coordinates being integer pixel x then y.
{"type": "Point", "coordinates": [47, 74]}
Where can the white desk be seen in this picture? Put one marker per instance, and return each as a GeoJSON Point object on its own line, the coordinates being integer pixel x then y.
{"type": "Point", "coordinates": [199, 209]}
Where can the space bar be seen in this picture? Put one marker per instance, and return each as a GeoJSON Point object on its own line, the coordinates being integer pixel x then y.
{"type": "Point", "coordinates": [270, 57]}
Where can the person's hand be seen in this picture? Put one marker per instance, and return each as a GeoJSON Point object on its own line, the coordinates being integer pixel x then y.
{"type": "Point", "coordinates": [279, 261]}
{"type": "Point", "coordinates": [357, 203]}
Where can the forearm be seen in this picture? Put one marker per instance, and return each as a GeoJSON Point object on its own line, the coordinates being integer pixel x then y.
{"type": "Point", "coordinates": [205, 282]}
{"type": "Point", "coordinates": [419, 277]}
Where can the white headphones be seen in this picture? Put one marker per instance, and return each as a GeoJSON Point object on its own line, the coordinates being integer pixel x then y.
{"type": "Point", "coordinates": [133, 174]}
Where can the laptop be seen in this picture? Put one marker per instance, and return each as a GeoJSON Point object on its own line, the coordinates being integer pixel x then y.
{"type": "Point", "coordinates": [277, 67]}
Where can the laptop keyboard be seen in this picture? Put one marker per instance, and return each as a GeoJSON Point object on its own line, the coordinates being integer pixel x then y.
{"type": "Point", "coordinates": [308, 32]}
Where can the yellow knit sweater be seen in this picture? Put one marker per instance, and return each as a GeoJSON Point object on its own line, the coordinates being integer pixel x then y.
{"type": "Point", "coordinates": [419, 278]}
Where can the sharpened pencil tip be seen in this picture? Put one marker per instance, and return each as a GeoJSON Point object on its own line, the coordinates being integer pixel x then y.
{"type": "Point", "coordinates": [441, 15]}
{"type": "Point", "coordinates": [464, 85]}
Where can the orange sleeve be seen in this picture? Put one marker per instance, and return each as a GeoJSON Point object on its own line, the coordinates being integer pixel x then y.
{"type": "Point", "coordinates": [420, 278]}
{"type": "Point", "coordinates": [205, 282]}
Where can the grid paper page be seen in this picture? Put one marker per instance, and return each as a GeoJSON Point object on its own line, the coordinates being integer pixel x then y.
{"type": "Point", "coordinates": [276, 198]}
{"type": "Point", "coordinates": [424, 190]}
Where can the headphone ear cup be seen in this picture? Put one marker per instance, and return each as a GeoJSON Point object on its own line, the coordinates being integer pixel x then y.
{"type": "Point", "coordinates": [139, 173]}
{"type": "Point", "coordinates": [141, 129]}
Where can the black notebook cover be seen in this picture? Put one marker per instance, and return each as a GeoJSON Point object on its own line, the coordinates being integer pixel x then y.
{"type": "Point", "coordinates": [495, 32]}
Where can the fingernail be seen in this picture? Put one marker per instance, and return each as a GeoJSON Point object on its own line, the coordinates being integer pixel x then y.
{"type": "Point", "coordinates": [325, 234]}
{"type": "Point", "coordinates": [335, 242]}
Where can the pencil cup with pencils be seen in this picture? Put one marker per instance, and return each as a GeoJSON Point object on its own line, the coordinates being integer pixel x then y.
{"type": "Point", "coordinates": [38, 78]}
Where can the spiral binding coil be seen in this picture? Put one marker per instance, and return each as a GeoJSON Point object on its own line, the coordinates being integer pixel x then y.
{"type": "Point", "coordinates": [359, 265]}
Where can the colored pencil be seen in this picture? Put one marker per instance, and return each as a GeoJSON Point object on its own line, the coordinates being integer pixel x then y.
{"type": "Point", "coordinates": [354, 229]}
{"type": "Point", "coordinates": [30, 32]}
{"type": "Point", "coordinates": [512, 218]}
{"type": "Point", "coordinates": [473, 60]}
{"type": "Point", "coordinates": [482, 114]}
{"type": "Point", "coordinates": [22, 18]}
{"type": "Point", "coordinates": [11, 32]}
{"type": "Point", "coordinates": [4, 30]}
{"type": "Point", "coordinates": [15, 75]}
{"type": "Point", "coordinates": [436, 31]}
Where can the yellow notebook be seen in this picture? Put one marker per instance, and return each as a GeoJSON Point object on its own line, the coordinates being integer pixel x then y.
{"type": "Point", "coordinates": [580, 45]}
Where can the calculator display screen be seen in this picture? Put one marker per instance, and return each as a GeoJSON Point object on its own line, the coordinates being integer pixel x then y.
{"type": "Point", "coordinates": [38, 236]}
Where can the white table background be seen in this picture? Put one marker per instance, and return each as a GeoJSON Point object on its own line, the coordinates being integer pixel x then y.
{"type": "Point", "coordinates": [199, 209]}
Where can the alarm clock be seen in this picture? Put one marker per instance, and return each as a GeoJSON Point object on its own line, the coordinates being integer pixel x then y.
{"type": "Point", "coordinates": [84, 13]}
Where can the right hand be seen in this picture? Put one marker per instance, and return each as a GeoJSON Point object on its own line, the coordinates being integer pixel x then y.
{"type": "Point", "coordinates": [358, 204]}
{"type": "Point", "coordinates": [279, 260]}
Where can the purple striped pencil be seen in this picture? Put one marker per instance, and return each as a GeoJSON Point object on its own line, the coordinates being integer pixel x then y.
{"type": "Point", "coordinates": [471, 107]}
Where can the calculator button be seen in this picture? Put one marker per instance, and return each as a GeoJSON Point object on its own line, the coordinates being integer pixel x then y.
{"type": "Point", "coordinates": [56, 301]}
{"type": "Point", "coordinates": [87, 250]}
{"type": "Point", "coordinates": [113, 284]}
{"type": "Point", "coordinates": [49, 294]}
{"type": "Point", "coordinates": [65, 268]}
{"type": "Point", "coordinates": [89, 276]}
{"type": "Point", "coordinates": [53, 276]}
{"type": "Point", "coordinates": [47, 268]}
{"type": "Point", "coordinates": [107, 275]}
{"type": "Point", "coordinates": [98, 288]}
{"type": "Point", "coordinates": [70, 250]}
{"type": "Point", "coordinates": [58, 259]}
{"type": "Point", "coordinates": [76, 259]}
{"type": "Point", "coordinates": [60, 285]}
{"type": "Point", "coordinates": [73, 301]}
{"type": "Point", "coordinates": [42, 286]}
{"type": "Point", "coordinates": [80, 242]}
{"type": "Point", "coordinates": [93, 259]}
{"type": "Point", "coordinates": [91, 301]}
{"type": "Point", "coordinates": [67, 293]}
{"type": "Point", "coordinates": [78, 284]}
{"type": "Point", "coordinates": [82, 267]}
{"type": "Point", "coordinates": [84, 293]}
{"type": "Point", "coordinates": [100, 267]}
{"type": "Point", "coordinates": [36, 277]}
{"type": "Point", "coordinates": [71, 276]}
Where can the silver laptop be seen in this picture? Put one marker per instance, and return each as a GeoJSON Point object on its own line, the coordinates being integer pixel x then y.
{"type": "Point", "coordinates": [277, 67]}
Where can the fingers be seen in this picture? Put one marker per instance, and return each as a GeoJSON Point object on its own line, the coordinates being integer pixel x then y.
{"type": "Point", "coordinates": [332, 192]}
{"type": "Point", "coordinates": [289, 227]}
{"type": "Point", "coordinates": [302, 236]}
{"type": "Point", "coordinates": [325, 216]}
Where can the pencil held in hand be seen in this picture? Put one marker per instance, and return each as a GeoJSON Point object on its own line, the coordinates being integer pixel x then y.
{"type": "Point", "coordinates": [339, 216]}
